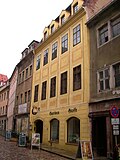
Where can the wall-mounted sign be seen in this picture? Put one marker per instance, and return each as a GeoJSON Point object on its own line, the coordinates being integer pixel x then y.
{"type": "Point", "coordinates": [70, 110]}
{"type": "Point", "coordinates": [115, 121]}
{"type": "Point", "coordinates": [34, 110]}
{"type": "Point", "coordinates": [35, 140]}
{"type": "Point", "coordinates": [114, 111]}
{"type": "Point", "coordinates": [54, 113]}
{"type": "Point", "coordinates": [22, 108]}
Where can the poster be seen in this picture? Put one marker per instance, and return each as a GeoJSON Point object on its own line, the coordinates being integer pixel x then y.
{"type": "Point", "coordinates": [35, 140]}
{"type": "Point", "coordinates": [86, 150]}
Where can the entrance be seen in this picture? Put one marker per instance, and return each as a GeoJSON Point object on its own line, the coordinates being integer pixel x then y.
{"type": "Point", "coordinates": [99, 139]}
{"type": "Point", "coordinates": [39, 128]}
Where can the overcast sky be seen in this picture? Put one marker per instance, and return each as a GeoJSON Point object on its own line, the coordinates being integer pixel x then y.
{"type": "Point", "coordinates": [22, 21]}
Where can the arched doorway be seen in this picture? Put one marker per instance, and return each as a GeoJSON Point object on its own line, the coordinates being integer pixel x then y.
{"type": "Point", "coordinates": [39, 128]}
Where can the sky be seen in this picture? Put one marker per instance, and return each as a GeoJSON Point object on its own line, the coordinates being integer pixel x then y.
{"type": "Point", "coordinates": [21, 22]}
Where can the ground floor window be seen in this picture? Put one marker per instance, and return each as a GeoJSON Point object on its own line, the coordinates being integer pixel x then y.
{"type": "Point", "coordinates": [54, 130]}
{"type": "Point", "coordinates": [73, 130]}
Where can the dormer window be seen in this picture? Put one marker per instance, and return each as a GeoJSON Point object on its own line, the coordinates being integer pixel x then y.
{"type": "Point", "coordinates": [75, 8]}
{"type": "Point", "coordinates": [45, 35]}
{"type": "Point", "coordinates": [52, 28]}
{"type": "Point", "coordinates": [62, 19]}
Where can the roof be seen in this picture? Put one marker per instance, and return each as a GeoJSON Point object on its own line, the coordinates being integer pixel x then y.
{"type": "Point", "coordinates": [3, 78]}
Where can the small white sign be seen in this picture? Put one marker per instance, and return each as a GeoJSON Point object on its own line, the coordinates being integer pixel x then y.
{"type": "Point", "coordinates": [116, 127]}
{"type": "Point", "coordinates": [115, 121]}
{"type": "Point", "coordinates": [115, 132]}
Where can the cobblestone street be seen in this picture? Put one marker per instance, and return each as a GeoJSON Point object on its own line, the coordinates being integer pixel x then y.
{"type": "Point", "coordinates": [10, 151]}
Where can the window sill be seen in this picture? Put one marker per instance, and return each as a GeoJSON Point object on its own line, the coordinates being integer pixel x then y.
{"type": "Point", "coordinates": [73, 144]}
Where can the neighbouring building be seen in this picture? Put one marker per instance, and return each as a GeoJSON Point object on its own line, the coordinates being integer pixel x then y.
{"type": "Point", "coordinates": [11, 101]}
{"type": "Point", "coordinates": [60, 87]}
{"type": "Point", "coordinates": [3, 79]}
{"type": "Point", "coordinates": [4, 94]}
{"type": "Point", "coordinates": [104, 27]}
{"type": "Point", "coordinates": [23, 90]}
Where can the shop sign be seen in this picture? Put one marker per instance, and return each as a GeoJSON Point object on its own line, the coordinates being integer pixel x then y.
{"type": "Point", "coordinates": [70, 110]}
{"type": "Point", "coordinates": [86, 150]}
{"type": "Point", "coordinates": [115, 127]}
{"type": "Point", "coordinates": [54, 113]}
{"type": "Point", "coordinates": [35, 140]}
{"type": "Point", "coordinates": [115, 121]}
{"type": "Point", "coordinates": [115, 132]}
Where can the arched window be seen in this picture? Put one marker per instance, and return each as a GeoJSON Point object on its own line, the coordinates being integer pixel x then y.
{"type": "Point", "coordinates": [54, 130]}
{"type": "Point", "coordinates": [73, 130]}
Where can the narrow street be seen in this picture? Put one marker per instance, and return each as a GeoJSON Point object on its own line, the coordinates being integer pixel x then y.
{"type": "Point", "coordinates": [10, 151]}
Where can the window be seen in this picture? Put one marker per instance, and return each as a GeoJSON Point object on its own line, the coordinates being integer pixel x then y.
{"type": "Point", "coordinates": [77, 78]}
{"type": "Point", "coordinates": [4, 96]}
{"type": "Point", "coordinates": [38, 62]}
{"type": "Point", "coordinates": [73, 130]}
{"type": "Point", "coordinates": [103, 34]}
{"type": "Point", "coordinates": [6, 109]}
{"type": "Point", "coordinates": [62, 19]}
{"type": "Point", "coordinates": [76, 35]}
{"type": "Point", "coordinates": [45, 57]}
{"type": "Point", "coordinates": [115, 25]}
{"type": "Point", "coordinates": [54, 130]}
{"type": "Point", "coordinates": [44, 87]}
{"type": "Point", "coordinates": [54, 50]}
{"type": "Point", "coordinates": [19, 78]}
{"type": "Point", "coordinates": [117, 74]}
{"type": "Point", "coordinates": [53, 87]}
{"type": "Point", "coordinates": [75, 8]}
{"type": "Point", "coordinates": [36, 93]}
{"type": "Point", "coordinates": [63, 83]}
{"type": "Point", "coordinates": [52, 28]}
{"type": "Point", "coordinates": [104, 80]}
{"type": "Point", "coordinates": [17, 98]}
{"type": "Point", "coordinates": [21, 97]}
{"type": "Point", "coordinates": [30, 70]}
{"type": "Point", "coordinates": [29, 95]}
{"type": "Point", "coordinates": [23, 76]}
{"type": "Point", "coordinates": [25, 97]}
{"type": "Point", "coordinates": [45, 35]}
{"type": "Point", "coordinates": [65, 43]}
{"type": "Point", "coordinates": [26, 76]}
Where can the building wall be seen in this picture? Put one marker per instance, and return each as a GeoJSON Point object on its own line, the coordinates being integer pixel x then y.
{"type": "Point", "coordinates": [22, 108]}
{"type": "Point", "coordinates": [4, 93]}
{"type": "Point", "coordinates": [11, 102]}
{"type": "Point", "coordinates": [74, 103]}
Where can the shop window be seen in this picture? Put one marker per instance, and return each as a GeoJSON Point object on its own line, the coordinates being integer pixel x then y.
{"type": "Point", "coordinates": [77, 78]}
{"type": "Point", "coordinates": [44, 87]}
{"type": "Point", "coordinates": [54, 50]}
{"type": "Point", "coordinates": [36, 93]}
{"type": "Point", "coordinates": [53, 87]}
{"type": "Point", "coordinates": [76, 35]}
{"type": "Point", "coordinates": [65, 43]}
{"type": "Point", "coordinates": [54, 130]}
{"type": "Point", "coordinates": [73, 130]}
{"type": "Point", "coordinates": [63, 88]}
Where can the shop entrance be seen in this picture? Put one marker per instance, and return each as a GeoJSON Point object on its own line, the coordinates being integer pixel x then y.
{"type": "Point", "coordinates": [99, 139]}
{"type": "Point", "coordinates": [39, 128]}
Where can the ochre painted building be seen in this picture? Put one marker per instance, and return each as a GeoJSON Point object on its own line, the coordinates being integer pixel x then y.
{"type": "Point", "coordinates": [60, 87]}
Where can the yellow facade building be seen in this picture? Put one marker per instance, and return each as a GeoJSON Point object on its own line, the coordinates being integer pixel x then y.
{"type": "Point", "coordinates": [60, 88]}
